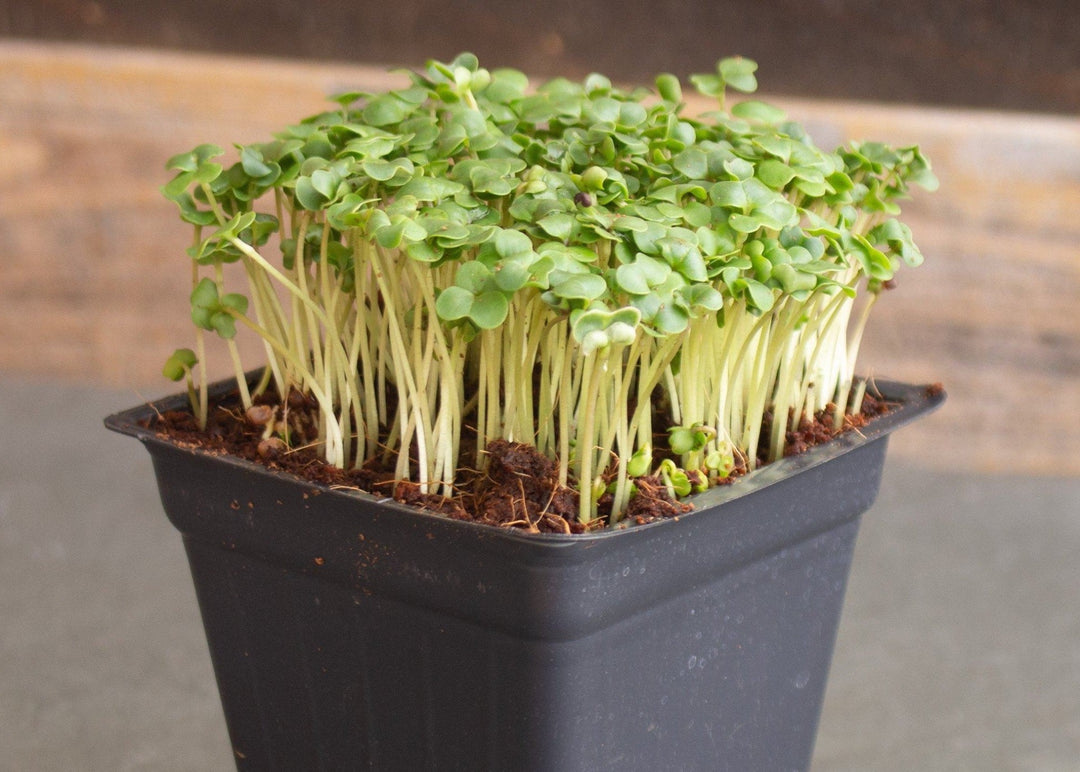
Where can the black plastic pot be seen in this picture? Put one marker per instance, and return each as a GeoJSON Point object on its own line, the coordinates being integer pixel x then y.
{"type": "Point", "coordinates": [350, 632]}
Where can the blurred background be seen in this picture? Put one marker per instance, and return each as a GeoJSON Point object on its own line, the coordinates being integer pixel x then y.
{"type": "Point", "coordinates": [97, 94]}
{"type": "Point", "coordinates": [960, 646]}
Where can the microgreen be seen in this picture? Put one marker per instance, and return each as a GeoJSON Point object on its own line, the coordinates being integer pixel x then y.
{"type": "Point", "coordinates": [547, 266]}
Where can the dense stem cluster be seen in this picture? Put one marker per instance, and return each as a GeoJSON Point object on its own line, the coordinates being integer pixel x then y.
{"type": "Point", "coordinates": [552, 266]}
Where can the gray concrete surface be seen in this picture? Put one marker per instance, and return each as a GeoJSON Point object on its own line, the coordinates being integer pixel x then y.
{"type": "Point", "coordinates": [959, 647]}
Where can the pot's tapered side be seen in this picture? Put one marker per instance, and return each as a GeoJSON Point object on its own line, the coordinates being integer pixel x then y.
{"type": "Point", "coordinates": [348, 632]}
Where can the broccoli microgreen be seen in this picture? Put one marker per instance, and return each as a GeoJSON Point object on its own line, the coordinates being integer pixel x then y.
{"type": "Point", "coordinates": [547, 265]}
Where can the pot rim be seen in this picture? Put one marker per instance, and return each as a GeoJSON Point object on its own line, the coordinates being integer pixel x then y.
{"type": "Point", "coordinates": [913, 401]}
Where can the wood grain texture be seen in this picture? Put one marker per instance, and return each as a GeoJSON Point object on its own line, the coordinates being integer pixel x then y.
{"type": "Point", "coordinates": [94, 282]}
{"type": "Point", "coordinates": [1019, 55]}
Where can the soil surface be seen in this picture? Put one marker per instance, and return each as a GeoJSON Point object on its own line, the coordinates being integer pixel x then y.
{"type": "Point", "coordinates": [519, 488]}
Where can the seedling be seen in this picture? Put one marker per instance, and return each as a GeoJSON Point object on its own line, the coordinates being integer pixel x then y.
{"type": "Point", "coordinates": [546, 266]}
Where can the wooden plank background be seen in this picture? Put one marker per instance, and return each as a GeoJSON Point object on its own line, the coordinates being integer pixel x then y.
{"type": "Point", "coordinates": [94, 281]}
{"type": "Point", "coordinates": [1019, 55]}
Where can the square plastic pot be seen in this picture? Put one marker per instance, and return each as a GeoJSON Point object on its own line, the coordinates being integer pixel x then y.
{"type": "Point", "coordinates": [350, 632]}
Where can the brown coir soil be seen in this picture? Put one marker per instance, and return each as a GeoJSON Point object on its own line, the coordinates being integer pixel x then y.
{"type": "Point", "coordinates": [519, 488]}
